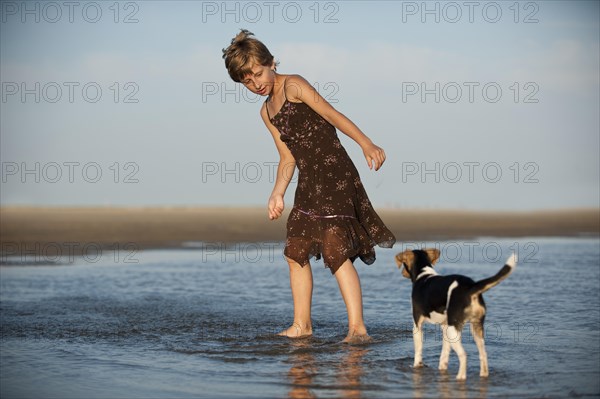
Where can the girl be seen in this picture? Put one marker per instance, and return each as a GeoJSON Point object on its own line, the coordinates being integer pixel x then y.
{"type": "Point", "coordinates": [332, 216]}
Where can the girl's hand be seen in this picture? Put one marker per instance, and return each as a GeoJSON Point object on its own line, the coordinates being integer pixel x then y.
{"type": "Point", "coordinates": [275, 206]}
{"type": "Point", "coordinates": [374, 155]}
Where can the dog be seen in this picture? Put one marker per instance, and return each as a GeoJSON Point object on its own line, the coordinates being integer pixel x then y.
{"type": "Point", "coordinates": [451, 301]}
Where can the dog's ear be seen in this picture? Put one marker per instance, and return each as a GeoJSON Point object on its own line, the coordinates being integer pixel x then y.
{"type": "Point", "coordinates": [405, 259]}
{"type": "Point", "coordinates": [433, 254]}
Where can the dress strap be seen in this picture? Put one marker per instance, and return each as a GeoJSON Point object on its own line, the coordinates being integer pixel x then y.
{"type": "Point", "coordinates": [267, 108]}
{"type": "Point", "coordinates": [267, 99]}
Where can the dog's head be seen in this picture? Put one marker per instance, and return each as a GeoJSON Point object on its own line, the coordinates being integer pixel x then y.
{"type": "Point", "coordinates": [415, 260]}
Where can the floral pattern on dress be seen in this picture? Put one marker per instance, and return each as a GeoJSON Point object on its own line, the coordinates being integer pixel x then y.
{"type": "Point", "coordinates": [332, 216]}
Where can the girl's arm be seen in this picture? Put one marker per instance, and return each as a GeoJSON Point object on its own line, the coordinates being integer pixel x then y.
{"type": "Point", "coordinates": [298, 89]}
{"type": "Point", "coordinates": [285, 169]}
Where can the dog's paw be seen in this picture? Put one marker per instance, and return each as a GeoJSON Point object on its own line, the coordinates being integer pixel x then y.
{"type": "Point", "coordinates": [418, 365]}
{"type": "Point", "coordinates": [461, 376]}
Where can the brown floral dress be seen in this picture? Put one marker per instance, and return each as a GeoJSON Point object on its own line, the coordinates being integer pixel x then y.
{"type": "Point", "coordinates": [332, 215]}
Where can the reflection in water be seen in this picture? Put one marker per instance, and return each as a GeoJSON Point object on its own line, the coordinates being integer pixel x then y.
{"type": "Point", "coordinates": [350, 371]}
{"type": "Point", "coordinates": [424, 379]}
{"type": "Point", "coordinates": [303, 369]}
{"type": "Point", "coordinates": [417, 377]}
{"type": "Point", "coordinates": [449, 388]}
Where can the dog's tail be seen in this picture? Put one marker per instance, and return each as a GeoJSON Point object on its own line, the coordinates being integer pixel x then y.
{"type": "Point", "coordinates": [483, 285]}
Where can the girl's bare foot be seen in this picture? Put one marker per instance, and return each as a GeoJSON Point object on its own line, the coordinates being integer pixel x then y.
{"type": "Point", "coordinates": [296, 330]}
{"type": "Point", "coordinates": [357, 336]}
{"type": "Point", "coordinates": [357, 339]}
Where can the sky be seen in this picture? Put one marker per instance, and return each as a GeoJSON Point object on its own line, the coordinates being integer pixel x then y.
{"type": "Point", "coordinates": [478, 105]}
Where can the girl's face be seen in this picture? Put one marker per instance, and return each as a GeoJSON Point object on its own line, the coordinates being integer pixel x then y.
{"type": "Point", "coordinates": [261, 80]}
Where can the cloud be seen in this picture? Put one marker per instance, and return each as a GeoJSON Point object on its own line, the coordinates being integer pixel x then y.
{"type": "Point", "coordinates": [110, 66]}
{"type": "Point", "coordinates": [566, 66]}
{"type": "Point", "coordinates": [373, 68]}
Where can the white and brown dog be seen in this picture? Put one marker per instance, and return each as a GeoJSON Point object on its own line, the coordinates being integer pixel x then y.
{"type": "Point", "coordinates": [451, 301]}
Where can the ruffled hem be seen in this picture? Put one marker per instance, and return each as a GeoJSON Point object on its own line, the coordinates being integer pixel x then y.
{"type": "Point", "coordinates": [335, 239]}
{"type": "Point", "coordinates": [333, 267]}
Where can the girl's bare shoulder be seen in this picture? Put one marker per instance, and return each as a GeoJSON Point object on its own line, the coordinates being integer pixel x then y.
{"type": "Point", "coordinates": [294, 79]}
{"type": "Point", "coordinates": [295, 85]}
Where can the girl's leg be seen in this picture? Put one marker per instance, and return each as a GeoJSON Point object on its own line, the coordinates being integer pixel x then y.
{"type": "Point", "coordinates": [349, 284]}
{"type": "Point", "coordinates": [301, 282]}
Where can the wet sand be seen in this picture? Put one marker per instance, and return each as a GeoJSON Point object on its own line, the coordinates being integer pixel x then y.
{"type": "Point", "coordinates": [34, 228]}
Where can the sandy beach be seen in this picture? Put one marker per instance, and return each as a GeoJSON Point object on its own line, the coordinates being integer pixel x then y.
{"type": "Point", "coordinates": [33, 228]}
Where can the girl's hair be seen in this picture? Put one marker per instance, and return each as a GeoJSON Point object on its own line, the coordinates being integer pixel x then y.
{"type": "Point", "coordinates": [243, 53]}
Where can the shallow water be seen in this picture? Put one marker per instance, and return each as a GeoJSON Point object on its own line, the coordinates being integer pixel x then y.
{"type": "Point", "coordinates": [200, 322]}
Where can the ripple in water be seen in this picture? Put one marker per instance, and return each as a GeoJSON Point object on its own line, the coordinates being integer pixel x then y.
{"type": "Point", "coordinates": [181, 324]}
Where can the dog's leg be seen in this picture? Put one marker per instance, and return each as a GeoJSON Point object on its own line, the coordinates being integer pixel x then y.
{"type": "Point", "coordinates": [454, 335]}
{"type": "Point", "coordinates": [445, 349]}
{"type": "Point", "coordinates": [477, 331]}
{"type": "Point", "coordinates": [418, 341]}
